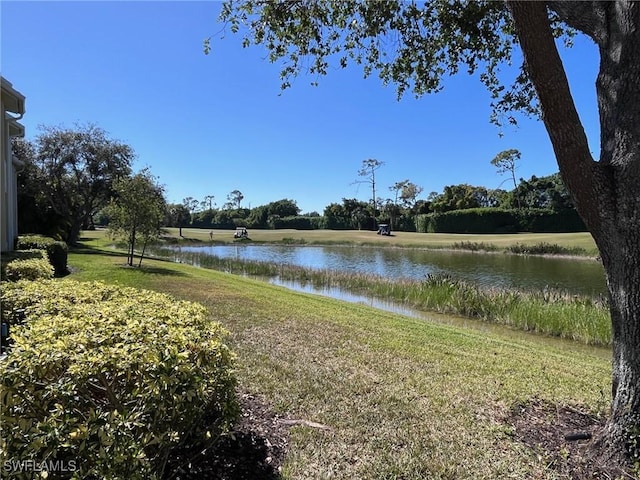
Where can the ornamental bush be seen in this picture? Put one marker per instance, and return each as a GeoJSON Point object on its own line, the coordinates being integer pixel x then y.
{"type": "Point", "coordinates": [110, 379]}
{"type": "Point", "coordinates": [28, 269]}
{"type": "Point", "coordinates": [57, 251]}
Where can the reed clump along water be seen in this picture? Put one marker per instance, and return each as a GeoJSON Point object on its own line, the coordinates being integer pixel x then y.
{"type": "Point", "coordinates": [552, 312]}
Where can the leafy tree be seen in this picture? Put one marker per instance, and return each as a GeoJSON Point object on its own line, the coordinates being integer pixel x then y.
{"type": "Point", "coordinates": [137, 211]}
{"type": "Point", "coordinates": [74, 169]}
{"type": "Point", "coordinates": [352, 213]}
{"type": "Point", "coordinates": [336, 216]}
{"type": "Point", "coordinates": [179, 215]}
{"type": "Point", "coordinates": [283, 208]}
{"type": "Point", "coordinates": [456, 197]}
{"type": "Point", "coordinates": [415, 45]}
{"type": "Point", "coordinates": [505, 162]}
{"type": "Point", "coordinates": [544, 192]}
{"type": "Point", "coordinates": [409, 193]}
{"type": "Point", "coordinates": [35, 214]}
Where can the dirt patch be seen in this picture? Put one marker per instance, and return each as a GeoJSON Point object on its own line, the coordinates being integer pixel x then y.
{"type": "Point", "coordinates": [255, 449]}
{"type": "Point", "coordinates": [562, 435]}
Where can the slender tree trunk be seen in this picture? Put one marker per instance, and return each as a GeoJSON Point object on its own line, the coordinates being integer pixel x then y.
{"type": "Point", "coordinates": [144, 247]}
{"type": "Point", "coordinates": [132, 245]}
{"type": "Point", "coordinates": [605, 192]}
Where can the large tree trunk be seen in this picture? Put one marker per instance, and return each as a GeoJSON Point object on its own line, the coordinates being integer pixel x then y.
{"type": "Point", "coordinates": [605, 192]}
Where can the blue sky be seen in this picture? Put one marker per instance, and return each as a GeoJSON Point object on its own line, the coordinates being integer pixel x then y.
{"type": "Point", "coordinates": [207, 125]}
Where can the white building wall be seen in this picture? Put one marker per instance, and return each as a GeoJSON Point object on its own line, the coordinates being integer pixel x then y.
{"type": "Point", "coordinates": [11, 101]}
{"type": "Point", "coordinates": [5, 199]}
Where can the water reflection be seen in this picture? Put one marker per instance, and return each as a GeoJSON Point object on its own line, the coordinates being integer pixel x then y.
{"type": "Point", "coordinates": [487, 269]}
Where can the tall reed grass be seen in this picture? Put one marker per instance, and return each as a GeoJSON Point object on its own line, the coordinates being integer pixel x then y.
{"type": "Point", "coordinates": [545, 248]}
{"type": "Point", "coordinates": [552, 312]}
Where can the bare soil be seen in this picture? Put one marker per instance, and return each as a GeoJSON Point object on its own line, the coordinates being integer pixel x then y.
{"type": "Point", "coordinates": [563, 436]}
{"type": "Point", "coordinates": [257, 448]}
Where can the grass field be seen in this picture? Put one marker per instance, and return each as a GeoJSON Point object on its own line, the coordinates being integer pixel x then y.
{"type": "Point", "coordinates": [398, 239]}
{"type": "Point", "coordinates": [403, 398]}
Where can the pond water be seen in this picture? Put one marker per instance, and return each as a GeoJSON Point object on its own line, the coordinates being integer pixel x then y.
{"type": "Point", "coordinates": [575, 276]}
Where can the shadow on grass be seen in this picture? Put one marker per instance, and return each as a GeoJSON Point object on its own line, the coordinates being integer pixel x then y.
{"type": "Point", "coordinates": [84, 249]}
{"type": "Point", "coordinates": [146, 269]}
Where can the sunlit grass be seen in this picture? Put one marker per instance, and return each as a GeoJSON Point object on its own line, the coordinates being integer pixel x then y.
{"type": "Point", "coordinates": [404, 398]}
{"type": "Point", "coordinates": [582, 241]}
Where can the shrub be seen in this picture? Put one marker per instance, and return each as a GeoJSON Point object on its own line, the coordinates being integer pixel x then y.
{"type": "Point", "coordinates": [56, 250]}
{"type": "Point", "coordinates": [472, 220]}
{"type": "Point", "coordinates": [297, 222]}
{"type": "Point", "coordinates": [110, 378]}
{"type": "Point", "coordinates": [550, 221]}
{"type": "Point", "coordinates": [28, 269]}
{"type": "Point", "coordinates": [544, 248]}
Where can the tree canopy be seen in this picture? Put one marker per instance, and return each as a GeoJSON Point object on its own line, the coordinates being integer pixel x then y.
{"type": "Point", "coordinates": [73, 170]}
{"type": "Point", "coordinates": [137, 210]}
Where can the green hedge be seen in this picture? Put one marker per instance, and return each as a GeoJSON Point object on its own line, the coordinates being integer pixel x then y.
{"type": "Point", "coordinates": [497, 220]}
{"type": "Point", "coordinates": [472, 220]}
{"type": "Point", "coordinates": [298, 223]}
{"type": "Point", "coordinates": [110, 380]}
{"type": "Point", "coordinates": [28, 269]}
{"type": "Point", "coordinates": [56, 250]}
{"type": "Point", "coordinates": [548, 221]}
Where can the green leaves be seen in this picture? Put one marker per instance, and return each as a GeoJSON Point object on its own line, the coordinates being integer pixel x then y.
{"type": "Point", "coordinates": [111, 377]}
{"type": "Point", "coordinates": [412, 45]}
{"type": "Point", "coordinates": [137, 210]}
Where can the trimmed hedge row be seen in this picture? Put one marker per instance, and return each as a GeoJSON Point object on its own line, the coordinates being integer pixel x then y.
{"type": "Point", "coordinates": [29, 268]}
{"type": "Point", "coordinates": [57, 251]}
{"type": "Point", "coordinates": [110, 379]}
{"type": "Point", "coordinates": [496, 220]}
{"type": "Point", "coordinates": [298, 223]}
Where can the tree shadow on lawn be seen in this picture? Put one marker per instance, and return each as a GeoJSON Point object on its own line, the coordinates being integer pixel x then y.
{"type": "Point", "coordinates": [84, 249]}
{"type": "Point", "coordinates": [146, 269]}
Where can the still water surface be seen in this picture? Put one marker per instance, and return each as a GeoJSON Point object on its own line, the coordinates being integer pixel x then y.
{"type": "Point", "coordinates": [575, 276]}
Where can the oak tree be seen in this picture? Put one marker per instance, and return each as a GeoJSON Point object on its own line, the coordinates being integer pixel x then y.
{"type": "Point", "coordinates": [75, 169]}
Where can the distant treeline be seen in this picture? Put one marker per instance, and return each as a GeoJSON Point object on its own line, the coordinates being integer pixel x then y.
{"type": "Point", "coordinates": [540, 204]}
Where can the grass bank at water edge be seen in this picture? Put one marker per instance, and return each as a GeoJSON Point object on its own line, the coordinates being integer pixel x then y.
{"type": "Point", "coordinates": [580, 318]}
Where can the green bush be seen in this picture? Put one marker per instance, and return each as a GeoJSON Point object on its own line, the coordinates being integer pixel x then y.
{"type": "Point", "coordinates": [110, 378]}
{"type": "Point", "coordinates": [56, 250]}
{"type": "Point", "coordinates": [498, 220]}
{"type": "Point", "coordinates": [28, 269]}
{"type": "Point", "coordinates": [549, 221]}
{"type": "Point", "coordinates": [298, 223]}
{"type": "Point", "coordinates": [472, 220]}
{"type": "Point", "coordinates": [422, 222]}
{"type": "Point", "coordinates": [545, 248]}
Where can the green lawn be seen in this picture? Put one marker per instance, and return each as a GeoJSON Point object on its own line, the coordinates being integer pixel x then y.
{"type": "Point", "coordinates": [404, 398]}
{"type": "Point", "coordinates": [399, 239]}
